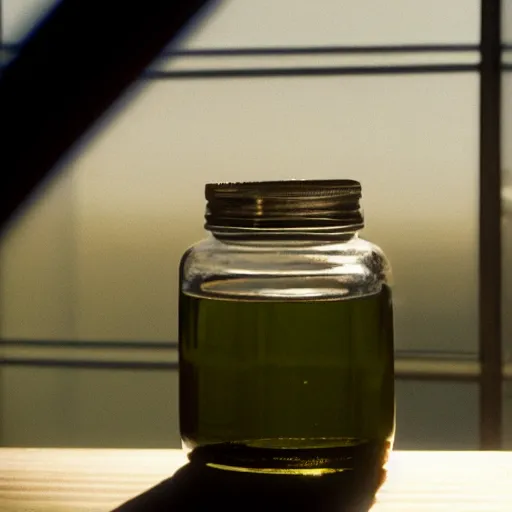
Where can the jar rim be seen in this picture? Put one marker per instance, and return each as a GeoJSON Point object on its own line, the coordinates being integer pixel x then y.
{"type": "Point", "coordinates": [284, 208]}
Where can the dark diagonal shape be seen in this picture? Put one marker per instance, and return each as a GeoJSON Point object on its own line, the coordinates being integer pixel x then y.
{"type": "Point", "coordinates": [63, 79]}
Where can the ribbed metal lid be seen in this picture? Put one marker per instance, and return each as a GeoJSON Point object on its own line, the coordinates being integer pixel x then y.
{"type": "Point", "coordinates": [316, 208]}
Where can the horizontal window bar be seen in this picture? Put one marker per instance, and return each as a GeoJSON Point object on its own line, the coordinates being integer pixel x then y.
{"type": "Point", "coordinates": [307, 72]}
{"type": "Point", "coordinates": [173, 344]}
{"type": "Point", "coordinates": [92, 352]}
{"type": "Point", "coordinates": [405, 369]}
{"type": "Point", "coordinates": [326, 50]}
{"type": "Point", "coordinates": [437, 369]}
{"type": "Point", "coordinates": [319, 61]}
{"type": "Point", "coordinates": [409, 365]}
{"type": "Point", "coordinates": [91, 344]}
{"type": "Point", "coordinates": [299, 50]}
{"type": "Point", "coordinates": [89, 364]}
{"type": "Point", "coordinates": [310, 71]}
{"type": "Point", "coordinates": [307, 61]}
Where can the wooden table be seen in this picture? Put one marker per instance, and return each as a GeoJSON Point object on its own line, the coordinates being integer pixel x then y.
{"type": "Point", "coordinates": [99, 480]}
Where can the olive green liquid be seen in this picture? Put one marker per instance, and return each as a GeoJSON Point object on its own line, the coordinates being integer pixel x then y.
{"type": "Point", "coordinates": [287, 386]}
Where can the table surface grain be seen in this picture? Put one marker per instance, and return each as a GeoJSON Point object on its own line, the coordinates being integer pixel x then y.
{"type": "Point", "coordinates": [40, 479]}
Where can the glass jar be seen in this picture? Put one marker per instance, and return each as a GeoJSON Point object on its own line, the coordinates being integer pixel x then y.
{"type": "Point", "coordinates": [286, 332]}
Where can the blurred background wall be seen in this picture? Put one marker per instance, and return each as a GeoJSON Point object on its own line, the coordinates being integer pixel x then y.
{"type": "Point", "coordinates": [94, 257]}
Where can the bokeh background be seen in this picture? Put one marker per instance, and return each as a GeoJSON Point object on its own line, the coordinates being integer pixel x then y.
{"type": "Point", "coordinates": [88, 270]}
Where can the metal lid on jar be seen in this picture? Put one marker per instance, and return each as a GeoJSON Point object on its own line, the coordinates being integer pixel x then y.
{"type": "Point", "coordinates": [284, 209]}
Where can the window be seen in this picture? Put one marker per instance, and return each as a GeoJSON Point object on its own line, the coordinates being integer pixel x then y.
{"type": "Point", "coordinates": [386, 95]}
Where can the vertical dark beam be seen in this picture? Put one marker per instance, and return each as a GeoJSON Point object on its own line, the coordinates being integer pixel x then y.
{"type": "Point", "coordinates": [490, 228]}
{"type": "Point", "coordinates": [1, 267]}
